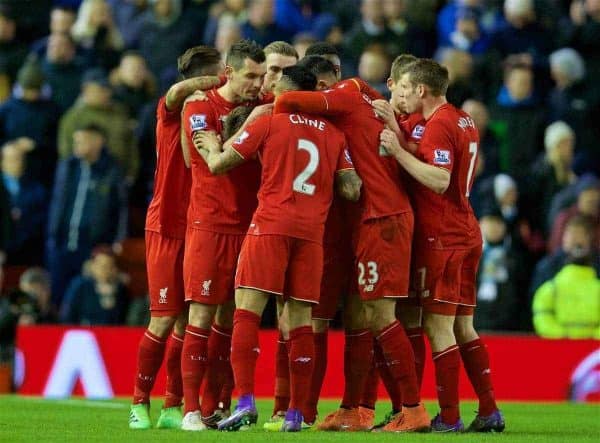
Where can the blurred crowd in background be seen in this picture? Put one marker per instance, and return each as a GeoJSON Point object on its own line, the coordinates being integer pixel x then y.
{"type": "Point", "coordinates": [79, 84]}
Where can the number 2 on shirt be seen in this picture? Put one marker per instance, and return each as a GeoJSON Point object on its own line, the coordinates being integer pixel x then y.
{"type": "Point", "coordinates": [473, 152]}
{"type": "Point", "coordinates": [300, 184]}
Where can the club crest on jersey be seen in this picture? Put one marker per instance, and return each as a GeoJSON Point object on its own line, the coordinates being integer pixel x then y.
{"type": "Point", "coordinates": [417, 132]}
{"type": "Point", "coordinates": [243, 136]}
{"type": "Point", "coordinates": [197, 122]}
{"type": "Point", "coordinates": [206, 287]}
{"type": "Point", "coordinates": [441, 157]}
{"type": "Point", "coordinates": [162, 296]}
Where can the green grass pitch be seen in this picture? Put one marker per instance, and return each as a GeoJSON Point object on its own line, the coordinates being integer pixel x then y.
{"type": "Point", "coordinates": [32, 419]}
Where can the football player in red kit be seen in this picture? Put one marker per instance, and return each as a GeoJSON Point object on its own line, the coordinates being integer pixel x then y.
{"type": "Point", "coordinates": [447, 242]}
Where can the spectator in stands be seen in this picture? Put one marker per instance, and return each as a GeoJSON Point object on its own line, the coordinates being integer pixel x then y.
{"type": "Point", "coordinates": [407, 37]}
{"type": "Point", "coordinates": [374, 67]}
{"type": "Point", "coordinates": [96, 106]}
{"type": "Point", "coordinates": [88, 206]}
{"type": "Point", "coordinates": [95, 31]}
{"type": "Point", "coordinates": [302, 42]}
{"type": "Point", "coordinates": [522, 36]}
{"type": "Point", "coordinates": [467, 34]}
{"type": "Point", "coordinates": [518, 121]}
{"type": "Point", "coordinates": [499, 278]}
{"type": "Point", "coordinates": [567, 305]}
{"type": "Point", "coordinates": [165, 32]}
{"type": "Point", "coordinates": [551, 172]}
{"type": "Point", "coordinates": [132, 83]}
{"type": "Point", "coordinates": [261, 26]}
{"type": "Point", "coordinates": [62, 19]}
{"type": "Point", "coordinates": [4, 226]}
{"type": "Point", "coordinates": [232, 11]}
{"type": "Point", "coordinates": [62, 70]}
{"type": "Point", "coordinates": [587, 204]}
{"type": "Point", "coordinates": [12, 50]}
{"type": "Point", "coordinates": [577, 239]}
{"type": "Point", "coordinates": [30, 115]}
{"type": "Point", "coordinates": [462, 85]}
{"type": "Point", "coordinates": [581, 30]}
{"type": "Point", "coordinates": [369, 31]}
{"type": "Point", "coordinates": [575, 101]}
{"type": "Point", "coordinates": [229, 31]}
{"type": "Point", "coordinates": [488, 142]}
{"type": "Point", "coordinates": [127, 15]}
{"type": "Point", "coordinates": [97, 297]}
{"type": "Point", "coordinates": [35, 282]}
{"type": "Point", "coordinates": [28, 208]}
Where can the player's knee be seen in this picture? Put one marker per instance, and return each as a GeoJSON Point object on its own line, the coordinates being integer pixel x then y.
{"type": "Point", "coordinates": [201, 315]}
{"type": "Point", "coordinates": [161, 326]}
{"type": "Point", "coordinates": [300, 314]}
{"type": "Point", "coordinates": [224, 315]}
{"type": "Point", "coordinates": [382, 313]}
{"type": "Point", "coordinates": [464, 329]}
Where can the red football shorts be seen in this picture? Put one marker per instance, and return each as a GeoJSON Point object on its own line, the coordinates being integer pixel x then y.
{"type": "Point", "coordinates": [382, 248]}
{"type": "Point", "coordinates": [164, 266]}
{"type": "Point", "coordinates": [445, 279]}
{"type": "Point", "coordinates": [335, 283]}
{"type": "Point", "coordinates": [209, 265]}
{"type": "Point", "coordinates": [281, 265]}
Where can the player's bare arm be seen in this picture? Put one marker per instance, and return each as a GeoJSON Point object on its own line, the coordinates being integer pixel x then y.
{"type": "Point", "coordinates": [208, 145]}
{"type": "Point", "coordinates": [257, 112]}
{"type": "Point", "coordinates": [177, 93]}
{"type": "Point", "coordinates": [348, 184]}
{"type": "Point", "coordinates": [385, 112]}
{"type": "Point", "coordinates": [436, 179]}
{"type": "Point", "coordinates": [185, 148]}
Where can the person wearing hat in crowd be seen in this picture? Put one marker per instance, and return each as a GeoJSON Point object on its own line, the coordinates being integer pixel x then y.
{"type": "Point", "coordinates": [96, 106]}
{"type": "Point", "coordinates": [28, 114]}
{"type": "Point", "coordinates": [88, 206]}
{"type": "Point", "coordinates": [575, 100]}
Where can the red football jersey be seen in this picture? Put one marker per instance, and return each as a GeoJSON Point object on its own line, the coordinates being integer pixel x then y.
{"type": "Point", "coordinates": [350, 110]}
{"type": "Point", "coordinates": [300, 155]}
{"type": "Point", "coordinates": [412, 125]}
{"type": "Point", "coordinates": [218, 203]}
{"type": "Point", "coordinates": [447, 221]}
{"type": "Point", "coordinates": [167, 213]}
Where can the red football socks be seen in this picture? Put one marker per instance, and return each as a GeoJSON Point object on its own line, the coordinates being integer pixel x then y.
{"type": "Point", "coordinates": [244, 349]}
{"type": "Point", "coordinates": [477, 364]}
{"type": "Point", "coordinates": [302, 360]}
{"type": "Point", "coordinates": [386, 377]}
{"type": "Point", "coordinates": [417, 341]}
{"type": "Point", "coordinates": [282, 376]}
{"type": "Point", "coordinates": [368, 397]}
{"type": "Point", "coordinates": [447, 365]}
{"type": "Point", "coordinates": [357, 363]}
{"type": "Point", "coordinates": [318, 376]}
{"type": "Point", "coordinates": [219, 350]}
{"type": "Point", "coordinates": [174, 392]}
{"type": "Point", "coordinates": [151, 351]}
{"type": "Point", "coordinates": [400, 361]}
{"type": "Point", "coordinates": [194, 357]}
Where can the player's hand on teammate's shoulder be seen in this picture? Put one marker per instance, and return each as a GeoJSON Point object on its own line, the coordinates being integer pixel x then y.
{"type": "Point", "coordinates": [259, 111]}
{"type": "Point", "coordinates": [389, 140]}
{"type": "Point", "coordinates": [198, 95]}
{"type": "Point", "coordinates": [208, 140]}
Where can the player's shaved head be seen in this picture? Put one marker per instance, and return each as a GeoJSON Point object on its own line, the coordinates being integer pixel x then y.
{"type": "Point", "coordinates": [299, 78]}
{"type": "Point", "coordinates": [322, 68]}
{"type": "Point", "coordinates": [235, 120]}
{"type": "Point", "coordinates": [329, 52]}
{"type": "Point", "coordinates": [399, 64]}
{"type": "Point", "coordinates": [429, 73]}
{"type": "Point", "coordinates": [198, 61]}
{"type": "Point", "coordinates": [242, 50]}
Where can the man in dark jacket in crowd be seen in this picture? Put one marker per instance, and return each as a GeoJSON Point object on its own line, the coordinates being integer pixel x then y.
{"type": "Point", "coordinates": [88, 206]}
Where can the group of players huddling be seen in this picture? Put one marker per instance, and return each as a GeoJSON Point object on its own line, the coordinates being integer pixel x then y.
{"type": "Point", "coordinates": [276, 177]}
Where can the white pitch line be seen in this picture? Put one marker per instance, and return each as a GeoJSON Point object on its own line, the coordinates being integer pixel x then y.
{"type": "Point", "coordinates": [79, 402]}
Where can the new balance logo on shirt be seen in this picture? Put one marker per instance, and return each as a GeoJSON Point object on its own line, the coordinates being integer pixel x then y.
{"type": "Point", "coordinates": [303, 359]}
